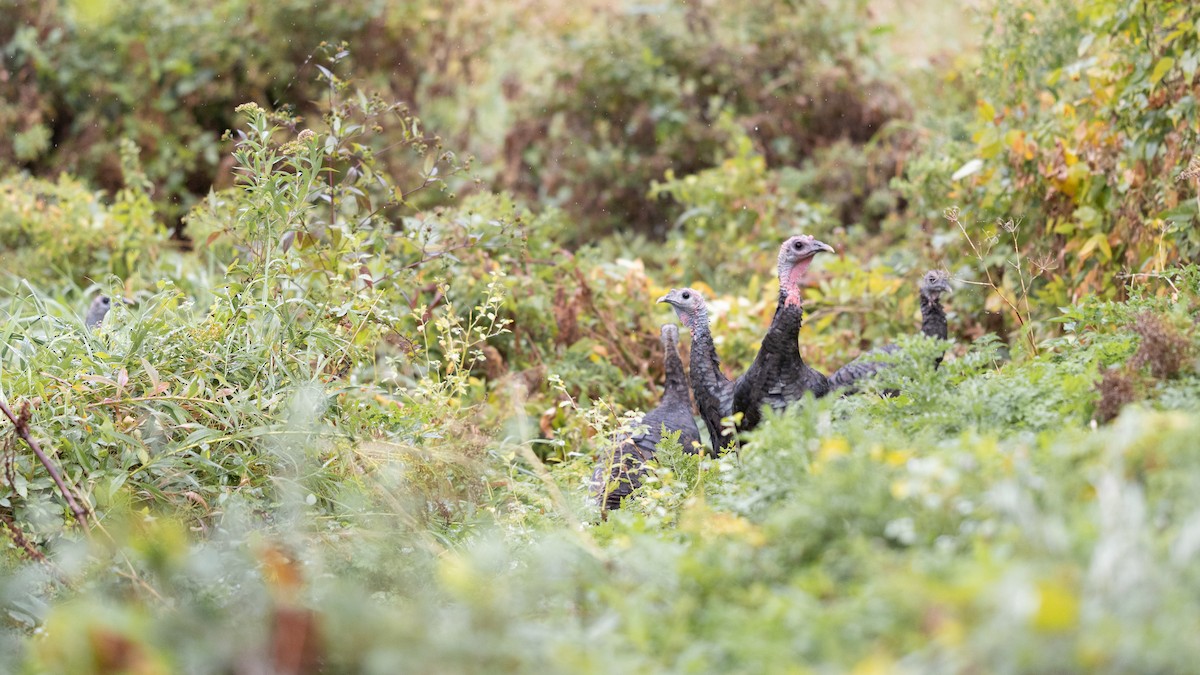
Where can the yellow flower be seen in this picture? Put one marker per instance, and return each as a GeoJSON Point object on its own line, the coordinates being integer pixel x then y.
{"type": "Point", "coordinates": [1058, 607]}
{"type": "Point", "coordinates": [831, 448]}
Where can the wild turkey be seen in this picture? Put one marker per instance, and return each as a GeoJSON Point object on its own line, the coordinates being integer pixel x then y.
{"type": "Point", "coordinates": [933, 315]}
{"type": "Point", "coordinates": [620, 470]}
{"type": "Point", "coordinates": [933, 324]}
{"type": "Point", "coordinates": [97, 311]}
{"type": "Point", "coordinates": [712, 390]}
{"type": "Point", "coordinates": [779, 375]}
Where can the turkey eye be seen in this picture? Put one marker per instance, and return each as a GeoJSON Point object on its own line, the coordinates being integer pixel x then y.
{"type": "Point", "coordinates": [796, 246]}
{"type": "Point", "coordinates": [687, 296]}
{"type": "Point", "coordinates": [105, 301]}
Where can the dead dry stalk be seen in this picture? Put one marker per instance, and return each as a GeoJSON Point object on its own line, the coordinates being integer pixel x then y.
{"type": "Point", "coordinates": [21, 424]}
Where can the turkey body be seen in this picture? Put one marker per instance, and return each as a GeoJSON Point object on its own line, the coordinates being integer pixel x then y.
{"type": "Point", "coordinates": [859, 369]}
{"type": "Point", "coordinates": [779, 376]}
{"type": "Point", "coordinates": [712, 389]}
{"type": "Point", "coordinates": [933, 315]}
{"type": "Point", "coordinates": [621, 468]}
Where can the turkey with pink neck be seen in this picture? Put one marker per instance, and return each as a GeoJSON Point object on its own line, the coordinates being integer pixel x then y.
{"type": "Point", "coordinates": [779, 376]}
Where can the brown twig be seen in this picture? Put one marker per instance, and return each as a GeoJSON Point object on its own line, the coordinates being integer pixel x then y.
{"type": "Point", "coordinates": [22, 427]}
{"type": "Point", "coordinates": [614, 339]}
{"type": "Point", "coordinates": [1150, 275]}
{"type": "Point", "coordinates": [1020, 272]}
{"type": "Point", "coordinates": [108, 402]}
{"type": "Point", "coordinates": [18, 536]}
{"type": "Point", "coordinates": [951, 214]}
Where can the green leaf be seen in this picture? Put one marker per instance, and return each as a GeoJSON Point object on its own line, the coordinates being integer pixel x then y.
{"type": "Point", "coordinates": [1184, 213]}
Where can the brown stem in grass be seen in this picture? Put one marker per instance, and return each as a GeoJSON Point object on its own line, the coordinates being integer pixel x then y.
{"type": "Point", "coordinates": [1020, 273]}
{"type": "Point", "coordinates": [1151, 275]}
{"type": "Point", "coordinates": [614, 339]}
{"type": "Point", "coordinates": [18, 537]}
{"type": "Point", "coordinates": [22, 426]}
{"type": "Point", "coordinates": [137, 399]}
{"type": "Point", "coordinates": [952, 216]}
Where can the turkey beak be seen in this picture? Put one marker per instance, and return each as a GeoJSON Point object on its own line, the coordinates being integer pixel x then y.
{"type": "Point", "coordinates": [819, 246]}
{"type": "Point", "coordinates": [663, 299]}
{"type": "Point", "coordinates": [813, 247]}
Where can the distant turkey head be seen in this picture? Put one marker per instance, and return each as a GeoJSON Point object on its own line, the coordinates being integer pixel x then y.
{"type": "Point", "coordinates": [688, 305]}
{"type": "Point", "coordinates": [676, 384]}
{"type": "Point", "coordinates": [97, 311]}
{"type": "Point", "coordinates": [934, 283]}
{"type": "Point", "coordinates": [795, 256]}
{"type": "Point", "coordinates": [669, 334]}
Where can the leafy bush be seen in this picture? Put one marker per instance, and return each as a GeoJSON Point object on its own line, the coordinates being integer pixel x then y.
{"type": "Point", "coordinates": [63, 232]}
{"type": "Point", "coordinates": [648, 93]}
{"type": "Point", "coordinates": [355, 420]}
{"type": "Point", "coordinates": [1082, 139]}
{"type": "Point", "coordinates": [86, 75]}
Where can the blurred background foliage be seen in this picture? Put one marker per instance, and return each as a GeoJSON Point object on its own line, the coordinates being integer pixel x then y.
{"type": "Point", "coordinates": [386, 276]}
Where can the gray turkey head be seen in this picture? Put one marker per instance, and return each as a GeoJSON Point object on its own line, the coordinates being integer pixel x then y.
{"type": "Point", "coordinates": [795, 256]}
{"type": "Point", "coordinates": [669, 336]}
{"type": "Point", "coordinates": [934, 283]}
{"type": "Point", "coordinates": [97, 311]}
{"type": "Point", "coordinates": [689, 305]}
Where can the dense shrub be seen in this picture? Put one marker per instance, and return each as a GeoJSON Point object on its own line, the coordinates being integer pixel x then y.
{"type": "Point", "coordinates": [80, 77]}
{"type": "Point", "coordinates": [1082, 137]}
{"type": "Point", "coordinates": [354, 421]}
{"type": "Point", "coordinates": [64, 232]}
{"type": "Point", "coordinates": [645, 93]}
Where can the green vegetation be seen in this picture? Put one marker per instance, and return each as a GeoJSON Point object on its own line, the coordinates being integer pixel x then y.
{"type": "Point", "coordinates": [388, 276]}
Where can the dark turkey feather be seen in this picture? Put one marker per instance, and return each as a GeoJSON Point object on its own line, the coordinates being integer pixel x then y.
{"type": "Point", "coordinates": [933, 315]}
{"type": "Point", "coordinates": [620, 469]}
{"type": "Point", "coordinates": [860, 369]}
{"type": "Point", "coordinates": [779, 376]}
{"type": "Point", "coordinates": [619, 473]}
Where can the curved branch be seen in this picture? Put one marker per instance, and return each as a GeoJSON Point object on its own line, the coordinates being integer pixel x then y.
{"type": "Point", "coordinates": [22, 426]}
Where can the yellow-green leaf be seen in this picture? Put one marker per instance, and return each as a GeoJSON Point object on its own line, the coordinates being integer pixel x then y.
{"type": "Point", "coordinates": [1098, 240]}
{"type": "Point", "coordinates": [1088, 247]}
{"type": "Point", "coordinates": [1160, 69]}
{"type": "Point", "coordinates": [986, 111]}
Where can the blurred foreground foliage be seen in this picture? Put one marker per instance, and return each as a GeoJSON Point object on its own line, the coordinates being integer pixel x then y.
{"type": "Point", "coordinates": [347, 418]}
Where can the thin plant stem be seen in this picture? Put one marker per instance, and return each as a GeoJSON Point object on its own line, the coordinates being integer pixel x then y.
{"type": "Point", "coordinates": [22, 426]}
